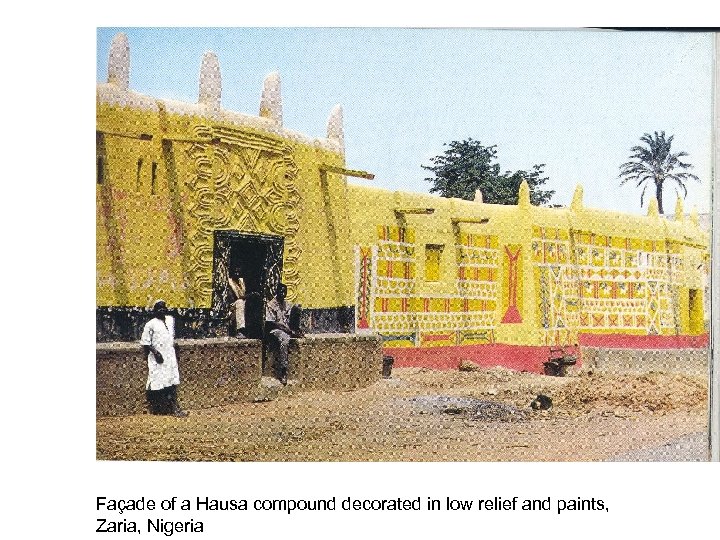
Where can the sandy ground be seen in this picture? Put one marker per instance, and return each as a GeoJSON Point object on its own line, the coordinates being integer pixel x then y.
{"type": "Point", "coordinates": [692, 447]}
{"type": "Point", "coordinates": [425, 415]}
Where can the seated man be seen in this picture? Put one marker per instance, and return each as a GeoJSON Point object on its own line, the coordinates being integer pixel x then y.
{"type": "Point", "coordinates": [282, 321]}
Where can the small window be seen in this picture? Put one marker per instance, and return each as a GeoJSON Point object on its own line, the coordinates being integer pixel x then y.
{"type": "Point", "coordinates": [433, 252]}
{"type": "Point", "coordinates": [138, 175]}
{"type": "Point", "coordinates": [100, 170]}
{"type": "Point", "coordinates": [153, 178]}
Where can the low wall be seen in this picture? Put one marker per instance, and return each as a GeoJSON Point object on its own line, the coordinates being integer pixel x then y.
{"type": "Point", "coordinates": [336, 361]}
{"type": "Point", "coordinates": [687, 361]}
{"type": "Point", "coordinates": [218, 371]}
{"type": "Point", "coordinates": [626, 341]}
{"type": "Point", "coordinates": [213, 372]}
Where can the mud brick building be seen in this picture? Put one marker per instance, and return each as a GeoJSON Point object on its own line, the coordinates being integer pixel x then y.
{"type": "Point", "coordinates": [187, 191]}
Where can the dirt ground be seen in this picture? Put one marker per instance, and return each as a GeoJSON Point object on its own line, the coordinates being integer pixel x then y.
{"type": "Point", "coordinates": [426, 415]}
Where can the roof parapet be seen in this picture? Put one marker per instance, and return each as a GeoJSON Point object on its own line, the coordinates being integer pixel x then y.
{"type": "Point", "coordinates": [210, 90]}
{"type": "Point", "coordinates": [653, 210]}
{"type": "Point", "coordinates": [524, 195]}
{"type": "Point", "coordinates": [119, 62]}
{"type": "Point", "coordinates": [335, 126]}
{"type": "Point", "coordinates": [577, 200]}
{"type": "Point", "coordinates": [694, 218]}
{"type": "Point", "coordinates": [271, 99]}
{"type": "Point", "coordinates": [679, 211]}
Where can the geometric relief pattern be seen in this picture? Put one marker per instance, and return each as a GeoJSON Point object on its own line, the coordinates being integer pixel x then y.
{"type": "Point", "coordinates": [653, 308]}
{"type": "Point", "coordinates": [393, 269]}
{"type": "Point", "coordinates": [396, 263]}
{"type": "Point", "coordinates": [243, 182]}
{"type": "Point", "coordinates": [616, 283]}
{"type": "Point", "coordinates": [222, 294]}
{"type": "Point", "coordinates": [363, 286]}
{"type": "Point", "coordinates": [478, 260]}
{"type": "Point", "coordinates": [556, 282]}
{"type": "Point", "coordinates": [559, 304]}
{"type": "Point", "coordinates": [512, 314]}
{"type": "Point", "coordinates": [396, 311]}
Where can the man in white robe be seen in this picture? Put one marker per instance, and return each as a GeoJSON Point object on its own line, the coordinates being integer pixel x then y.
{"type": "Point", "coordinates": [237, 308]}
{"type": "Point", "coordinates": [158, 341]}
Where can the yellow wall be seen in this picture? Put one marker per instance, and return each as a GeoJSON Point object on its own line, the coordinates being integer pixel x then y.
{"type": "Point", "coordinates": [519, 274]}
{"type": "Point", "coordinates": [160, 244]}
{"type": "Point", "coordinates": [579, 270]}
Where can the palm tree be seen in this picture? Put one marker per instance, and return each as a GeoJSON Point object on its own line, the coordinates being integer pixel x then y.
{"type": "Point", "coordinates": [656, 163]}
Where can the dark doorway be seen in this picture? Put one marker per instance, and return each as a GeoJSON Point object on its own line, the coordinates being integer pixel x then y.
{"type": "Point", "coordinates": [257, 259]}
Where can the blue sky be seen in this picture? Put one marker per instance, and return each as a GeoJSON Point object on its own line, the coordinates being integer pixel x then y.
{"type": "Point", "coordinates": [575, 100]}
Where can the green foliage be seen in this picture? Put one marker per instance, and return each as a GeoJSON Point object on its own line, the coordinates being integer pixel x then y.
{"type": "Point", "coordinates": [467, 166]}
{"type": "Point", "coordinates": [655, 164]}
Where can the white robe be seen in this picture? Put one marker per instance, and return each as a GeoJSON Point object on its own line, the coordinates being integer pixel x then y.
{"type": "Point", "coordinates": [161, 335]}
{"type": "Point", "coordinates": [238, 307]}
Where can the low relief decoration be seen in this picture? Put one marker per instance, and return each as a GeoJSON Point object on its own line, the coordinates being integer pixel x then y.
{"type": "Point", "coordinates": [241, 181]}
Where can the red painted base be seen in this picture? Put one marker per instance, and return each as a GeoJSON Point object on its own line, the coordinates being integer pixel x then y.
{"type": "Point", "coordinates": [622, 341]}
{"type": "Point", "coordinates": [518, 357]}
{"type": "Point", "coordinates": [530, 357]}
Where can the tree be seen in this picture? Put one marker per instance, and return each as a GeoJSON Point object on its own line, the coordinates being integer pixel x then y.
{"type": "Point", "coordinates": [655, 163]}
{"type": "Point", "coordinates": [467, 166]}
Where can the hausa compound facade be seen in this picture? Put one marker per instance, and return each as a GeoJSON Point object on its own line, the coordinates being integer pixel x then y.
{"type": "Point", "coordinates": [443, 279]}
{"type": "Point", "coordinates": [187, 191]}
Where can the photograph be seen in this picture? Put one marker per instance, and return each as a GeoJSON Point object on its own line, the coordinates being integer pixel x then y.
{"type": "Point", "coordinates": [321, 244]}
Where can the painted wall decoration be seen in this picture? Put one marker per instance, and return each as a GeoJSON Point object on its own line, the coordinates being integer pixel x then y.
{"type": "Point", "coordinates": [512, 262]}
{"type": "Point", "coordinates": [531, 276]}
{"type": "Point", "coordinates": [425, 272]}
{"type": "Point", "coordinates": [364, 260]}
{"type": "Point", "coordinates": [407, 317]}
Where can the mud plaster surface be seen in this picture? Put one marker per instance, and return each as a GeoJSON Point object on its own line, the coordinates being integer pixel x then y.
{"type": "Point", "coordinates": [425, 415]}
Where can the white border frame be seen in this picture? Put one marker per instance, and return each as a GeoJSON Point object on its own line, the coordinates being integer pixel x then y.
{"type": "Point", "coordinates": [714, 369]}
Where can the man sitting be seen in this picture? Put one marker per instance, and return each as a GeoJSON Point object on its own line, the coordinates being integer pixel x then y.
{"type": "Point", "coordinates": [282, 321]}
